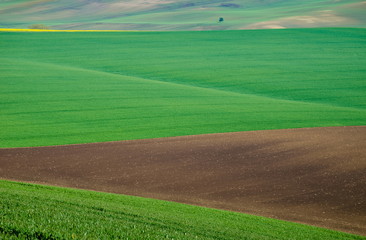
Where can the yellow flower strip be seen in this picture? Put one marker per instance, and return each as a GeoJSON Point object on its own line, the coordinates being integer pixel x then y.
{"type": "Point", "coordinates": [52, 30]}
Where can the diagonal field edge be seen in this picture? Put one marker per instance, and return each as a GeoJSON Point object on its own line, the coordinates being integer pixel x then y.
{"type": "Point", "coordinates": [313, 176]}
{"type": "Point", "coordinates": [141, 79]}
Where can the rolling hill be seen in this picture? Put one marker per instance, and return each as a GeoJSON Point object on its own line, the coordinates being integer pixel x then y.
{"type": "Point", "coordinates": [182, 15]}
{"type": "Point", "coordinates": [308, 175]}
{"type": "Point", "coordinates": [236, 120]}
{"type": "Point", "coordinates": [65, 88]}
{"type": "Point", "coordinates": [40, 212]}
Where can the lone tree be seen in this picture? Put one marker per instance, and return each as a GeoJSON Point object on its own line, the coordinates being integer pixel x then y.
{"type": "Point", "coordinates": [221, 19]}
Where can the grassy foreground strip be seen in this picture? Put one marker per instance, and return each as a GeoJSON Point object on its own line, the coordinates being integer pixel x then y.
{"type": "Point", "coordinates": [81, 87]}
{"type": "Point", "coordinates": [31, 211]}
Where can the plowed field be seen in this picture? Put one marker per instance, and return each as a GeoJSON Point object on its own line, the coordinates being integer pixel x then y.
{"type": "Point", "coordinates": [314, 176]}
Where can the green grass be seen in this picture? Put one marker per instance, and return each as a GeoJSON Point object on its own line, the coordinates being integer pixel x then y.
{"type": "Point", "coordinates": [179, 15]}
{"type": "Point", "coordinates": [30, 211]}
{"type": "Point", "coordinates": [64, 88]}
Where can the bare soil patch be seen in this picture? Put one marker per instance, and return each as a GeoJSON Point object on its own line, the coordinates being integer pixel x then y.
{"type": "Point", "coordinates": [314, 176]}
{"type": "Point", "coordinates": [326, 18]}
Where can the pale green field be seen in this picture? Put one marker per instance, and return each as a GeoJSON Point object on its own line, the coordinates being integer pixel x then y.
{"type": "Point", "coordinates": [178, 15]}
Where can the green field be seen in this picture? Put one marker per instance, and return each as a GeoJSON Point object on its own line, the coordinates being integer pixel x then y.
{"type": "Point", "coordinates": [41, 212]}
{"type": "Point", "coordinates": [61, 88]}
{"type": "Point", "coordinates": [65, 88]}
{"type": "Point", "coordinates": [182, 15]}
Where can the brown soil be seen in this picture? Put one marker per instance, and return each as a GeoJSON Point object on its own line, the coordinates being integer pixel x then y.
{"type": "Point", "coordinates": [314, 176]}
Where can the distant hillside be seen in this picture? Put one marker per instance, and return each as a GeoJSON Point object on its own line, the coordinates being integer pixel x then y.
{"type": "Point", "coordinates": [182, 15]}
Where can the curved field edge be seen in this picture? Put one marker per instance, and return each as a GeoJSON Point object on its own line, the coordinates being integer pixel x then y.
{"type": "Point", "coordinates": [313, 176]}
{"type": "Point", "coordinates": [69, 88]}
{"type": "Point", "coordinates": [33, 211]}
{"type": "Point", "coordinates": [76, 107]}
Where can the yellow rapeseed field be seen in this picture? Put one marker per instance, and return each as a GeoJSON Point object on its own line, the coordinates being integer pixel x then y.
{"type": "Point", "coordinates": [53, 30]}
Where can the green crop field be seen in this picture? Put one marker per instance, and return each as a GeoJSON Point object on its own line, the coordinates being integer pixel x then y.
{"type": "Point", "coordinates": [61, 88]}
{"type": "Point", "coordinates": [65, 88]}
{"type": "Point", "coordinates": [40, 212]}
{"type": "Point", "coordinates": [182, 15]}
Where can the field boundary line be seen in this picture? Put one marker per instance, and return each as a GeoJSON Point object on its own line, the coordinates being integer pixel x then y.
{"type": "Point", "coordinates": [142, 79]}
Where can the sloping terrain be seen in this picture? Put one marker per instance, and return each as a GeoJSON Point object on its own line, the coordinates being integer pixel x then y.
{"type": "Point", "coordinates": [65, 88]}
{"type": "Point", "coordinates": [314, 176]}
{"type": "Point", "coordinates": [182, 15]}
{"type": "Point", "coordinates": [30, 211]}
